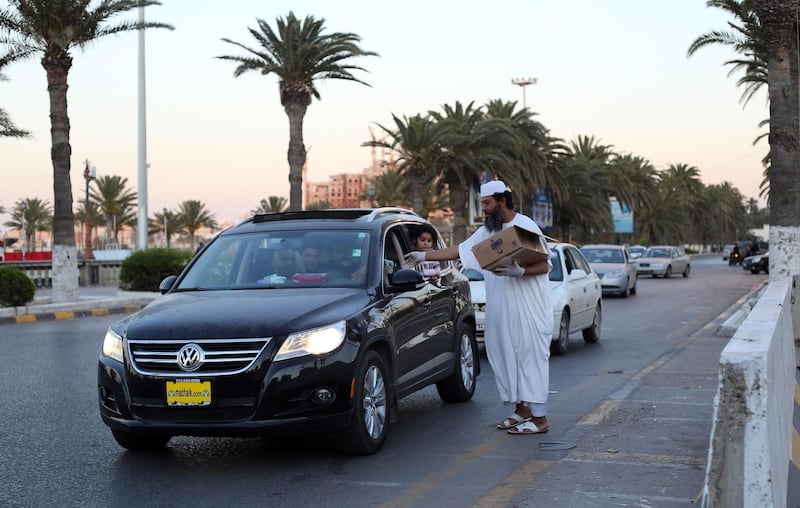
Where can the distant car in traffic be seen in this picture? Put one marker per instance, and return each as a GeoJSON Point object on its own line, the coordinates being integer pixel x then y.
{"type": "Point", "coordinates": [614, 266]}
{"type": "Point", "coordinates": [664, 260]}
{"type": "Point", "coordinates": [757, 263]}
{"type": "Point", "coordinates": [576, 296]}
{"type": "Point", "coordinates": [636, 250]}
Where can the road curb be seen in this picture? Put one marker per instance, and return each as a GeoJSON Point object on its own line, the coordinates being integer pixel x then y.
{"type": "Point", "coordinates": [35, 317]}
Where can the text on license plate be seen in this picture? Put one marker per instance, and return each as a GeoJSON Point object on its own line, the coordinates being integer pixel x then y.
{"type": "Point", "coordinates": [188, 392]}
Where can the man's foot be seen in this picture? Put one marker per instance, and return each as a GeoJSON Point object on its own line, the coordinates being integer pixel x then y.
{"type": "Point", "coordinates": [512, 421]}
{"type": "Point", "coordinates": [531, 427]}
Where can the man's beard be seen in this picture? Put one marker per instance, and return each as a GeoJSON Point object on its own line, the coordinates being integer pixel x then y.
{"type": "Point", "coordinates": [494, 221]}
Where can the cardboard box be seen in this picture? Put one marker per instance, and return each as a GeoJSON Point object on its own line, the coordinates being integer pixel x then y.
{"type": "Point", "coordinates": [510, 244]}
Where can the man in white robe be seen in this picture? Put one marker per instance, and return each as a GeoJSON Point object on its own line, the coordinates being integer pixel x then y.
{"type": "Point", "coordinates": [519, 316]}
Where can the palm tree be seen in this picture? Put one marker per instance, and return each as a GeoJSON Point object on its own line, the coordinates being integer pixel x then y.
{"type": "Point", "coordinates": [746, 37]}
{"type": "Point", "coordinates": [299, 53]}
{"type": "Point", "coordinates": [473, 145]}
{"type": "Point", "coordinates": [193, 215]}
{"type": "Point", "coordinates": [273, 204]}
{"type": "Point", "coordinates": [30, 215]}
{"type": "Point", "coordinates": [95, 220]}
{"type": "Point", "coordinates": [116, 202]}
{"type": "Point", "coordinates": [529, 150]}
{"type": "Point", "coordinates": [391, 189]}
{"type": "Point", "coordinates": [162, 222]}
{"type": "Point", "coordinates": [7, 127]}
{"type": "Point", "coordinates": [319, 205]}
{"type": "Point", "coordinates": [779, 23]}
{"type": "Point", "coordinates": [415, 146]}
{"type": "Point", "coordinates": [54, 28]}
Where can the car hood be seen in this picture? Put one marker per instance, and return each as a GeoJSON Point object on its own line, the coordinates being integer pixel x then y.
{"type": "Point", "coordinates": [243, 313]}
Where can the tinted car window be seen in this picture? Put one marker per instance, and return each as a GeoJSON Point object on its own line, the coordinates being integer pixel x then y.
{"type": "Point", "coordinates": [556, 274]}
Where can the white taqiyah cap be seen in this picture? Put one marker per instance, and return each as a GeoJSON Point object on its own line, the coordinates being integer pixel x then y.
{"type": "Point", "coordinates": [492, 188]}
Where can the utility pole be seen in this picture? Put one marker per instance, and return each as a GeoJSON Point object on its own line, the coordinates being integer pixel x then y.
{"type": "Point", "coordinates": [141, 222]}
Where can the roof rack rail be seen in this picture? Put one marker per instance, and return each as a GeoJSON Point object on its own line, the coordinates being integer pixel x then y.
{"type": "Point", "coordinates": [387, 210]}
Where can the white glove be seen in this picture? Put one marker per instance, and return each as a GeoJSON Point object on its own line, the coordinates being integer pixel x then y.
{"type": "Point", "coordinates": [512, 270]}
{"type": "Point", "coordinates": [414, 257]}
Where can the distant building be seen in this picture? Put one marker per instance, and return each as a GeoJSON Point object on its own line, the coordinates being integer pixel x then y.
{"type": "Point", "coordinates": [344, 189]}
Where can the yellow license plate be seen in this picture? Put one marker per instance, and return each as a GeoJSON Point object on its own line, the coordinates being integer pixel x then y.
{"type": "Point", "coordinates": [188, 392]}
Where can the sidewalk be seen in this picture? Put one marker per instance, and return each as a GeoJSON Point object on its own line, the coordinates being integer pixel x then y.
{"type": "Point", "coordinates": [93, 301]}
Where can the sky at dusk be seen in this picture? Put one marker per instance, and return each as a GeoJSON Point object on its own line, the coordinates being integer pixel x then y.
{"type": "Point", "coordinates": [616, 70]}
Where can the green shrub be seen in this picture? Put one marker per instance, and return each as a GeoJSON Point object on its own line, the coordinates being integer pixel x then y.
{"type": "Point", "coordinates": [145, 269]}
{"type": "Point", "coordinates": [16, 288]}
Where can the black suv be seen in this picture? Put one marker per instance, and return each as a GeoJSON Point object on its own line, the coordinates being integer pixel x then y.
{"type": "Point", "coordinates": [291, 322]}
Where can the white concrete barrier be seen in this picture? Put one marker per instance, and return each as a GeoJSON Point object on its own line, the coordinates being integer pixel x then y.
{"type": "Point", "coordinates": [750, 445]}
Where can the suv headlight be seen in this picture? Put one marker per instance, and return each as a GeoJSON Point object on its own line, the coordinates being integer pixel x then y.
{"type": "Point", "coordinates": [615, 274]}
{"type": "Point", "coordinates": [112, 345]}
{"type": "Point", "coordinates": [317, 341]}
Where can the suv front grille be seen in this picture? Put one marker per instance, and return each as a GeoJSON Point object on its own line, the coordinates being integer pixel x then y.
{"type": "Point", "coordinates": [220, 357]}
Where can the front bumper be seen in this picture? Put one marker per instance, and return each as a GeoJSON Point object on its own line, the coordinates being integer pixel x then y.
{"type": "Point", "coordinates": [269, 398]}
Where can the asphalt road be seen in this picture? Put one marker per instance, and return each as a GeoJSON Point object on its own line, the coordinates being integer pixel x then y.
{"type": "Point", "coordinates": [630, 419]}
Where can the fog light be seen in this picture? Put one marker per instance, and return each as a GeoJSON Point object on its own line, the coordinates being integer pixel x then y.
{"type": "Point", "coordinates": [322, 395]}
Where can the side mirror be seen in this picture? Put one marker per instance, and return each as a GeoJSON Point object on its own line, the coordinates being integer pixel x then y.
{"type": "Point", "coordinates": [577, 274]}
{"type": "Point", "coordinates": [167, 283]}
{"type": "Point", "coordinates": [405, 279]}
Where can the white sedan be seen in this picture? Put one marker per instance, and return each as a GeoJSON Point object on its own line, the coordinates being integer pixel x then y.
{"type": "Point", "coordinates": [575, 293]}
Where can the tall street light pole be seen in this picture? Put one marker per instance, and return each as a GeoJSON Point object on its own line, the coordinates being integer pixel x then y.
{"type": "Point", "coordinates": [88, 175]}
{"type": "Point", "coordinates": [141, 223]}
{"type": "Point", "coordinates": [522, 83]}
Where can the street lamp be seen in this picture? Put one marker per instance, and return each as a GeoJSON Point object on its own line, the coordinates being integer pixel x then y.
{"type": "Point", "coordinates": [23, 234]}
{"type": "Point", "coordinates": [263, 206]}
{"type": "Point", "coordinates": [371, 192]}
{"type": "Point", "coordinates": [88, 175]}
{"type": "Point", "coordinates": [522, 83]}
{"type": "Point", "coordinates": [166, 231]}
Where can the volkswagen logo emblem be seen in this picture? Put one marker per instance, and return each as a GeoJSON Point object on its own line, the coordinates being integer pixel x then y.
{"type": "Point", "coordinates": [190, 357]}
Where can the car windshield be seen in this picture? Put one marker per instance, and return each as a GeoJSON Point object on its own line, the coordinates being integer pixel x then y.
{"type": "Point", "coordinates": [656, 253]}
{"type": "Point", "coordinates": [637, 250]}
{"type": "Point", "coordinates": [599, 255]}
{"type": "Point", "coordinates": [281, 259]}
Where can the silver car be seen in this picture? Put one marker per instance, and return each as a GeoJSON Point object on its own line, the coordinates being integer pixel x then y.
{"type": "Point", "coordinates": [663, 260]}
{"type": "Point", "coordinates": [615, 267]}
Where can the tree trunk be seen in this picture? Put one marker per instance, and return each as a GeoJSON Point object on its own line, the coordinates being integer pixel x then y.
{"type": "Point", "coordinates": [417, 187]}
{"type": "Point", "coordinates": [460, 206]}
{"type": "Point", "coordinates": [65, 254]}
{"type": "Point", "coordinates": [296, 110]}
{"type": "Point", "coordinates": [780, 34]}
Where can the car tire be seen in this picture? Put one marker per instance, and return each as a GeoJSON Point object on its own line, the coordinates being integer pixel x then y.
{"type": "Point", "coordinates": [559, 346]}
{"type": "Point", "coordinates": [668, 273]}
{"type": "Point", "coordinates": [633, 289]}
{"type": "Point", "coordinates": [367, 431]}
{"type": "Point", "coordinates": [592, 334]}
{"type": "Point", "coordinates": [686, 271]}
{"type": "Point", "coordinates": [754, 270]}
{"type": "Point", "coordinates": [460, 386]}
{"type": "Point", "coordinates": [624, 292]}
{"type": "Point", "coordinates": [135, 442]}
